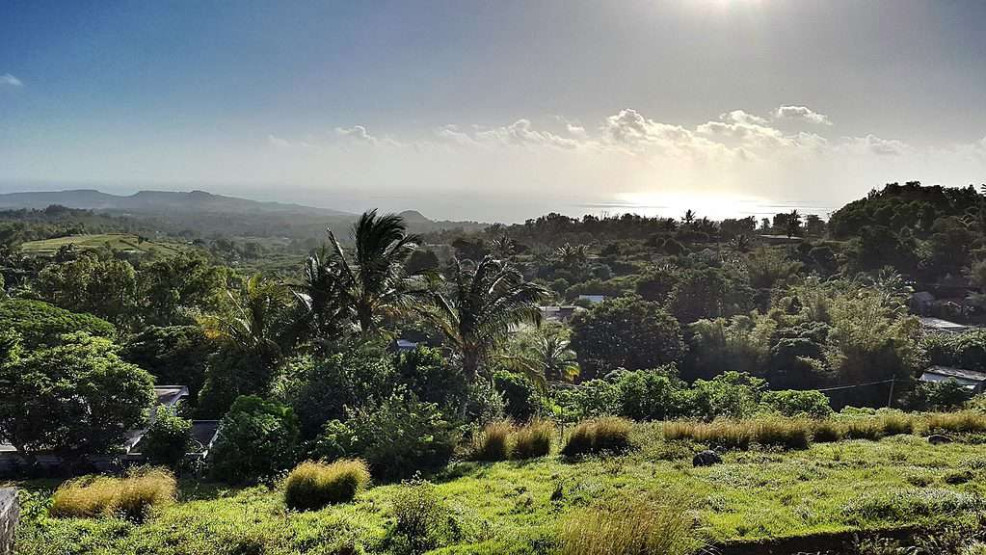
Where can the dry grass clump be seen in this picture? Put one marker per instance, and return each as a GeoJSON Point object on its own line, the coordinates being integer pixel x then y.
{"type": "Point", "coordinates": [596, 436]}
{"type": "Point", "coordinates": [862, 428]}
{"type": "Point", "coordinates": [628, 526]}
{"type": "Point", "coordinates": [533, 440]}
{"type": "Point", "coordinates": [501, 441]}
{"type": "Point", "coordinates": [740, 434]}
{"type": "Point", "coordinates": [826, 431]}
{"type": "Point", "coordinates": [895, 423]}
{"type": "Point", "coordinates": [131, 496]}
{"type": "Point", "coordinates": [963, 421]}
{"type": "Point", "coordinates": [313, 485]}
{"type": "Point", "coordinates": [493, 442]}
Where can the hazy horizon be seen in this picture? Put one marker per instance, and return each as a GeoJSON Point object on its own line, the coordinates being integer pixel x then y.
{"type": "Point", "coordinates": [496, 112]}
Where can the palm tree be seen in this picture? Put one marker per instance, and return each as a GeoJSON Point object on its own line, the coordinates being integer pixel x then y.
{"type": "Point", "coordinates": [689, 216]}
{"type": "Point", "coordinates": [373, 280]}
{"type": "Point", "coordinates": [480, 305]}
{"type": "Point", "coordinates": [504, 247]}
{"type": "Point", "coordinates": [258, 323]}
{"type": "Point", "coordinates": [320, 296]}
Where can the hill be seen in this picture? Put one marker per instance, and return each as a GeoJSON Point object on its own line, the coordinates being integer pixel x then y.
{"type": "Point", "coordinates": [155, 202]}
{"type": "Point", "coordinates": [123, 242]}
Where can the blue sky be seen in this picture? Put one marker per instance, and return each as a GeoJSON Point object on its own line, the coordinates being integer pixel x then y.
{"type": "Point", "coordinates": [516, 104]}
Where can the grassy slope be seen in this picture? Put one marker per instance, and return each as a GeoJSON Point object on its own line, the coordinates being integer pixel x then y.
{"type": "Point", "coordinates": [506, 507]}
{"type": "Point", "coordinates": [116, 241]}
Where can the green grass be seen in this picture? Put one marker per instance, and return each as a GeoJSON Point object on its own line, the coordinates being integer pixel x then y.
{"type": "Point", "coordinates": [115, 241]}
{"type": "Point", "coordinates": [515, 506]}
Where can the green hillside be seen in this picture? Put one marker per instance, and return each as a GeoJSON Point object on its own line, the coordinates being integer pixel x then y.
{"type": "Point", "coordinates": [116, 241]}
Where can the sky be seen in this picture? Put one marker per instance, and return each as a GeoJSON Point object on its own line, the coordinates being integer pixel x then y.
{"type": "Point", "coordinates": [498, 110]}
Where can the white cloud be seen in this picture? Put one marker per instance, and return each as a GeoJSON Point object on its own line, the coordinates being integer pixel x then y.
{"type": "Point", "coordinates": [356, 132]}
{"type": "Point", "coordinates": [10, 81]}
{"type": "Point", "coordinates": [801, 113]}
{"type": "Point", "coordinates": [875, 145]}
{"type": "Point", "coordinates": [741, 117]}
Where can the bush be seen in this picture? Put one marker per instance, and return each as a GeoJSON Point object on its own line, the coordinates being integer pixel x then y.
{"type": "Point", "coordinates": [628, 526]}
{"type": "Point", "coordinates": [522, 399]}
{"type": "Point", "coordinates": [595, 436]}
{"type": "Point", "coordinates": [257, 439]}
{"type": "Point", "coordinates": [397, 437]}
{"type": "Point", "coordinates": [893, 423]}
{"type": "Point", "coordinates": [652, 394]}
{"type": "Point", "coordinates": [131, 497]}
{"type": "Point", "coordinates": [793, 402]}
{"type": "Point", "coordinates": [167, 440]}
{"type": "Point", "coordinates": [313, 485]}
{"type": "Point", "coordinates": [533, 440]}
{"type": "Point", "coordinates": [420, 519]}
{"type": "Point", "coordinates": [493, 442]}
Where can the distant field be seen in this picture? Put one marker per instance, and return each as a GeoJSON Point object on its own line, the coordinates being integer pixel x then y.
{"type": "Point", "coordinates": [115, 241]}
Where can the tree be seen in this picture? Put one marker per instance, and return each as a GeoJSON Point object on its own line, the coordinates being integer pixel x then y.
{"type": "Point", "coordinates": [172, 354]}
{"type": "Point", "coordinates": [259, 323]}
{"type": "Point", "coordinates": [76, 399]}
{"type": "Point", "coordinates": [478, 307]}
{"type": "Point", "coordinates": [40, 324]}
{"type": "Point", "coordinates": [257, 439]}
{"type": "Point", "coordinates": [625, 333]}
{"type": "Point", "coordinates": [101, 286]}
{"type": "Point", "coordinates": [171, 290]}
{"type": "Point", "coordinates": [374, 280]}
{"type": "Point", "coordinates": [167, 440]}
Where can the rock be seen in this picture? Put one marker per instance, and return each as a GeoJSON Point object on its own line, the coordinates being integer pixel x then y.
{"type": "Point", "coordinates": [939, 439]}
{"type": "Point", "coordinates": [706, 458]}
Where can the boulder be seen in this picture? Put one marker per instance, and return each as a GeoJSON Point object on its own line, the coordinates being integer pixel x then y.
{"type": "Point", "coordinates": [706, 458]}
{"type": "Point", "coordinates": [939, 439]}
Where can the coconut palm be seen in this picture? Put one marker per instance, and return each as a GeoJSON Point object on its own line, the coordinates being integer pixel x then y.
{"type": "Point", "coordinates": [323, 314]}
{"type": "Point", "coordinates": [372, 280]}
{"type": "Point", "coordinates": [259, 323]}
{"type": "Point", "coordinates": [546, 357]}
{"type": "Point", "coordinates": [478, 307]}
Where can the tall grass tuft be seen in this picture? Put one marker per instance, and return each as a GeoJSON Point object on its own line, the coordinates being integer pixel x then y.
{"type": "Point", "coordinates": [827, 431]}
{"type": "Point", "coordinates": [493, 442]}
{"type": "Point", "coordinates": [740, 434]}
{"type": "Point", "coordinates": [595, 436]}
{"type": "Point", "coordinates": [628, 526]}
{"type": "Point", "coordinates": [313, 485]}
{"type": "Point", "coordinates": [862, 428]}
{"type": "Point", "coordinates": [533, 440]}
{"type": "Point", "coordinates": [964, 421]}
{"type": "Point", "coordinates": [131, 497]}
{"type": "Point", "coordinates": [895, 423]}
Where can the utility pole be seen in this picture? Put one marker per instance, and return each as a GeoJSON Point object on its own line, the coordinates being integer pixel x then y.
{"type": "Point", "coordinates": [893, 382]}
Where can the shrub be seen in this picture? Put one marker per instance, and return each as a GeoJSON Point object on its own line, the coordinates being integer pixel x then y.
{"type": "Point", "coordinates": [521, 396]}
{"type": "Point", "coordinates": [792, 402]}
{"type": "Point", "coordinates": [533, 440]}
{"type": "Point", "coordinates": [397, 437]}
{"type": "Point", "coordinates": [629, 526]}
{"type": "Point", "coordinates": [596, 436]}
{"type": "Point", "coordinates": [167, 440]}
{"type": "Point", "coordinates": [313, 485]}
{"type": "Point", "coordinates": [131, 497]}
{"type": "Point", "coordinates": [257, 439]}
{"type": "Point", "coordinates": [827, 431]}
{"type": "Point", "coordinates": [652, 394]}
{"type": "Point", "coordinates": [493, 443]}
{"type": "Point", "coordinates": [420, 519]}
{"type": "Point", "coordinates": [966, 421]}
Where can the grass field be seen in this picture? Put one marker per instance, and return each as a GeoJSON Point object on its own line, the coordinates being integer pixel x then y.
{"type": "Point", "coordinates": [519, 507]}
{"type": "Point", "coordinates": [115, 241]}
